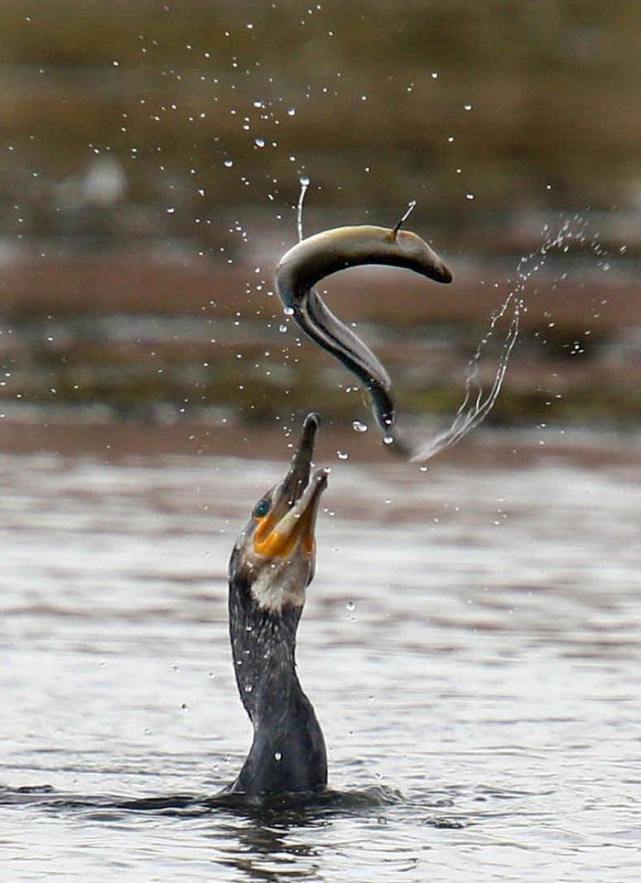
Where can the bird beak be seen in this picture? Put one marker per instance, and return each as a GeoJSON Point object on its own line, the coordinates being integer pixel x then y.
{"type": "Point", "coordinates": [291, 522]}
{"type": "Point", "coordinates": [297, 478]}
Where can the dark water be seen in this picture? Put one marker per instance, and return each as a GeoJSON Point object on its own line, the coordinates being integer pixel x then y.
{"type": "Point", "coordinates": [472, 644]}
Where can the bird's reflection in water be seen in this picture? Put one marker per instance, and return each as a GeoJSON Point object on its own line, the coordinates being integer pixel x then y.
{"type": "Point", "coordinates": [262, 840]}
{"type": "Point", "coordinates": [263, 849]}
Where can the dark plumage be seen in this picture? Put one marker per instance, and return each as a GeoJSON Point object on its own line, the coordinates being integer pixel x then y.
{"type": "Point", "coordinates": [270, 567]}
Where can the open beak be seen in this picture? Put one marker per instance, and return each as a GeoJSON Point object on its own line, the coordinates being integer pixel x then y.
{"type": "Point", "coordinates": [297, 478]}
{"type": "Point", "coordinates": [291, 521]}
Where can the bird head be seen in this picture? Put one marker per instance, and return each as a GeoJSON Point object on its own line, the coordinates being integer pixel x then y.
{"type": "Point", "coordinates": [275, 553]}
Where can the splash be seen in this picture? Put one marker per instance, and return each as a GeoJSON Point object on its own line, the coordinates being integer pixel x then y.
{"type": "Point", "coordinates": [477, 402]}
{"type": "Point", "coordinates": [304, 184]}
{"type": "Point", "coordinates": [408, 211]}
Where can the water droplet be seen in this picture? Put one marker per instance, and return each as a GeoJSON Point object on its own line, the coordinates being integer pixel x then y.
{"type": "Point", "coordinates": [278, 755]}
{"type": "Point", "coordinates": [304, 181]}
{"type": "Point", "coordinates": [467, 107]}
{"type": "Point", "coordinates": [228, 163]}
{"type": "Point", "coordinates": [170, 211]}
{"type": "Point", "coordinates": [351, 606]}
{"type": "Point", "coordinates": [291, 111]}
{"type": "Point", "coordinates": [422, 468]}
{"type": "Point", "coordinates": [342, 455]}
{"type": "Point", "coordinates": [282, 328]}
{"type": "Point", "coordinates": [289, 311]}
{"type": "Point", "coordinates": [469, 196]}
{"type": "Point", "coordinates": [388, 440]}
{"type": "Point", "coordinates": [259, 142]}
{"type": "Point", "coordinates": [357, 426]}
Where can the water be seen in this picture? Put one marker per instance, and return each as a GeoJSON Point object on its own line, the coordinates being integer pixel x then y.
{"type": "Point", "coordinates": [471, 643]}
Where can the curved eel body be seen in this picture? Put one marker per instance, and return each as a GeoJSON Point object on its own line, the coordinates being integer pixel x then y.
{"type": "Point", "coordinates": [316, 257]}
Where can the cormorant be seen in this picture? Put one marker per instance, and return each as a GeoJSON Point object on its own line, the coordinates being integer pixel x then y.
{"type": "Point", "coordinates": [271, 565]}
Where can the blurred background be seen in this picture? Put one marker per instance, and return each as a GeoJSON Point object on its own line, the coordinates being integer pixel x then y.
{"type": "Point", "coordinates": [150, 156]}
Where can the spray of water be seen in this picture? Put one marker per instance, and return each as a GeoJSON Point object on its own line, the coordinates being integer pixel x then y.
{"type": "Point", "coordinates": [477, 402]}
{"type": "Point", "coordinates": [408, 211]}
{"type": "Point", "coordinates": [304, 184]}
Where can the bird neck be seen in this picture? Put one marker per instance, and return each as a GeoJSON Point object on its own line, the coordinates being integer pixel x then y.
{"type": "Point", "coordinates": [264, 651]}
{"type": "Point", "coordinates": [288, 750]}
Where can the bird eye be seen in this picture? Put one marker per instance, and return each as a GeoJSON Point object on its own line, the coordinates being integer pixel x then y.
{"type": "Point", "coordinates": [261, 509]}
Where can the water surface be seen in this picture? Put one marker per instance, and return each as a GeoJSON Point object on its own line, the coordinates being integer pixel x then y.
{"type": "Point", "coordinates": [471, 643]}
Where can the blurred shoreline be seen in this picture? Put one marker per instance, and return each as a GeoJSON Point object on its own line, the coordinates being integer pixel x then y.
{"type": "Point", "coordinates": [149, 172]}
{"type": "Point", "coordinates": [159, 339]}
{"type": "Point", "coordinates": [160, 280]}
{"type": "Point", "coordinates": [133, 441]}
